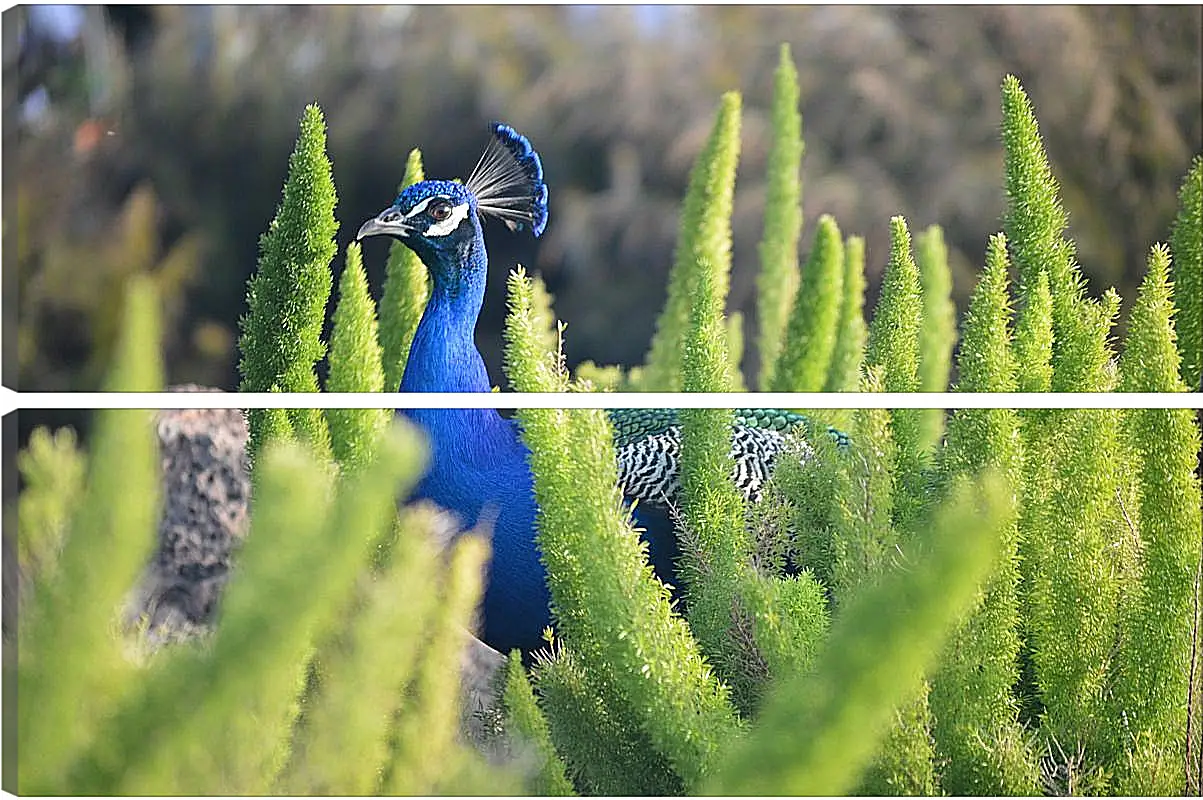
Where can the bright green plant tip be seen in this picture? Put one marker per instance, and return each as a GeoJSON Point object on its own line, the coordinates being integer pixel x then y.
{"type": "Point", "coordinates": [406, 290]}
{"type": "Point", "coordinates": [281, 339]}
{"type": "Point", "coordinates": [938, 333]}
{"type": "Point", "coordinates": [894, 348]}
{"type": "Point", "coordinates": [843, 375]}
{"type": "Point", "coordinates": [880, 646]}
{"type": "Point", "coordinates": [1156, 618]}
{"type": "Point", "coordinates": [527, 728]}
{"type": "Point", "coordinates": [355, 366]}
{"type": "Point", "coordinates": [778, 279]}
{"type": "Point", "coordinates": [703, 241]}
{"type": "Point", "coordinates": [1186, 242]}
{"type": "Point", "coordinates": [810, 338]}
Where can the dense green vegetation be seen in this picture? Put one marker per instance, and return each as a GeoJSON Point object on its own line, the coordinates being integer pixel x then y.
{"type": "Point", "coordinates": [988, 601]}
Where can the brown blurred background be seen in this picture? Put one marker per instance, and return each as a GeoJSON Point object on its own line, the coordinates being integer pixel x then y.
{"type": "Point", "coordinates": [146, 138]}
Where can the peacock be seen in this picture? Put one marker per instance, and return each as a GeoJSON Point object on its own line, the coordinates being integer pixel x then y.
{"type": "Point", "coordinates": [479, 464]}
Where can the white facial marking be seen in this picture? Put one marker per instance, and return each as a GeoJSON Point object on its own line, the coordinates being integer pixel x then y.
{"type": "Point", "coordinates": [420, 207]}
{"type": "Point", "coordinates": [458, 214]}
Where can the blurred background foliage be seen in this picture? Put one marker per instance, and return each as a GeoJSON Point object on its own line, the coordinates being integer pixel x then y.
{"type": "Point", "coordinates": [155, 139]}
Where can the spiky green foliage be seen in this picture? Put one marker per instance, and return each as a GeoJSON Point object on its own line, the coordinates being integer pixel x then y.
{"type": "Point", "coordinates": [72, 671]}
{"type": "Point", "coordinates": [813, 324]}
{"type": "Point", "coordinates": [1034, 339]}
{"type": "Point", "coordinates": [1071, 560]}
{"type": "Point", "coordinates": [1156, 618]}
{"type": "Point", "coordinates": [704, 239]}
{"type": "Point", "coordinates": [843, 374]}
{"type": "Point", "coordinates": [218, 718]}
{"type": "Point", "coordinates": [527, 728]}
{"type": "Point", "coordinates": [608, 606]}
{"type": "Point", "coordinates": [406, 289]}
{"type": "Point", "coordinates": [604, 756]}
{"type": "Point", "coordinates": [354, 366]}
{"type": "Point", "coordinates": [281, 338]}
{"type": "Point", "coordinates": [975, 727]}
{"type": "Point", "coordinates": [716, 547]}
{"type": "Point", "coordinates": [938, 334]}
{"type": "Point", "coordinates": [364, 664]}
{"type": "Point", "coordinates": [426, 727]}
{"type": "Point", "coordinates": [778, 278]}
{"type": "Point", "coordinates": [1186, 243]}
{"type": "Point", "coordinates": [1035, 224]}
{"type": "Point", "coordinates": [52, 468]}
{"type": "Point", "coordinates": [881, 644]}
{"type": "Point", "coordinates": [894, 348]}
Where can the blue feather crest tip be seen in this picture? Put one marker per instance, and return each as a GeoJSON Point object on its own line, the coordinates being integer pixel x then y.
{"type": "Point", "coordinates": [508, 181]}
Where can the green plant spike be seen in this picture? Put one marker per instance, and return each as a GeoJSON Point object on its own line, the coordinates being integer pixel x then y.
{"type": "Point", "coordinates": [716, 548]}
{"type": "Point", "coordinates": [880, 646]}
{"type": "Point", "coordinates": [1156, 618]}
{"type": "Point", "coordinates": [527, 728]}
{"type": "Point", "coordinates": [355, 366]}
{"type": "Point", "coordinates": [1035, 224]}
{"type": "Point", "coordinates": [843, 375]}
{"type": "Point", "coordinates": [406, 290]}
{"type": "Point", "coordinates": [975, 728]}
{"type": "Point", "coordinates": [426, 725]}
{"type": "Point", "coordinates": [894, 348]}
{"type": "Point", "coordinates": [778, 279]}
{"type": "Point", "coordinates": [1071, 569]}
{"type": "Point", "coordinates": [938, 334]}
{"type": "Point", "coordinates": [810, 337]}
{"type": "Point", "coordinates": [53, 470]}
{"type": "Point", "coordinates": [704, 238]}
{"type": "Point", "coordinates": [1034, 339]}
{"type": "Point", "coordinates": [72, 670]}
{"type": "Point", "coordinates": [364, 665]}
{"type": "Point", "coordinates": [297, 568]}
{"type": "Point", "coordinates": [606, 601]}
{"type": "Point", "coordinates": [1186, 243]}
{"type": "Point", "coordinates": [281, 339]}
{"type": "Point", "coordinates": [604, 755]}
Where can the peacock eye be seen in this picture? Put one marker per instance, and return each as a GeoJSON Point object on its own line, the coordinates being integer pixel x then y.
{"type": "Point", "coordinates": [439, 210]}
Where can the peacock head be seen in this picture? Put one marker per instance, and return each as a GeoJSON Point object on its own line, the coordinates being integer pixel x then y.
{"type": "Point", "coordinates": [438, 219]}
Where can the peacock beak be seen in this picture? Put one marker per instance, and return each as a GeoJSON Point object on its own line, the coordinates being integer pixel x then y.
{"type": "Point", "coordinates": [388, 222]}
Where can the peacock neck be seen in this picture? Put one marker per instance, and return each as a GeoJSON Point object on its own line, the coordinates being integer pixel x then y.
{"type": "Point", "coordinates": [443, 356]}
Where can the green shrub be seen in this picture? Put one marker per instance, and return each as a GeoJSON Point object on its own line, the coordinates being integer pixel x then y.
{"type": "Point", "coordinates": [1003, 609]}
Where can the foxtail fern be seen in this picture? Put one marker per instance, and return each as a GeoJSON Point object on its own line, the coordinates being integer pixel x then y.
{"type": "Point", "coordinates": [1156, 619]}
{"type": "Point", "coordinates": [705, 233]}
{"type": "Point", "coordinates": [881, 644]}
{"type": "Point", "coordinates": [811, 335]}
{"type": "Point", "coordinates": [608, 605]}
{"type": "Point", "coordinates": [975, 728]}
{"type": "Point", "coordinates": [281, 339]}
{"type": "Point", "coordinates": [843, 375]}
{"type": "Point", "coordinates": [894, 348]}
{"type": "Point", "coordinates": [354, 366]}
{"type": "Point", "coordinates": [778, 279]}
{"type": "Point", "coordinates": [938, 334]}
{"type": "Point", "coordinates": [72, 671]}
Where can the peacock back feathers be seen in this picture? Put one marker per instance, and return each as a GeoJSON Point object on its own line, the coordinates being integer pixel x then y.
{"type": "Point", "coordinates": [648, 442]}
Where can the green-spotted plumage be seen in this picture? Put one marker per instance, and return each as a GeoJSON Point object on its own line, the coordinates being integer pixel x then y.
{"type": "Point", "coordinates": [648, 441]}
